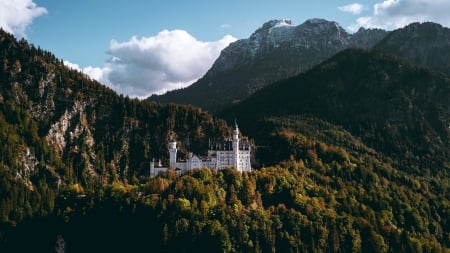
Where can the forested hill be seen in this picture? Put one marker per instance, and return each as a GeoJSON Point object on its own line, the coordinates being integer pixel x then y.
{"type": "Point", "coordinates": [58, 127]}
{"type": "Point", "coordinates": [72, 153]}
{"type": "Point", "coordinates": [423, 44]}
{"type": "Point", "coordinates": [393, 107]}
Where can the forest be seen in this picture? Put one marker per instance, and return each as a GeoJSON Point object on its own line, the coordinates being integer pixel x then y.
{"type": "Point", "coordinates": [74, 172]}
{"type": "Point", "coordinates": [325, 200]}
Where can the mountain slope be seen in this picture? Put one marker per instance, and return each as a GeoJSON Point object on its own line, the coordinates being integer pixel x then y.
{"type": "Point", "coordinates": [275, 51]}
{"type": "Point", "coordinates": [78, 117]}
{"type": "Point", "coordinates": [59, 128]}
{"type": "Point", "coordinates": [423, 44]}
{"type": "Point", "coordinates": [393, 107]}
{"type": "Point", "coordinates": [71, 148]}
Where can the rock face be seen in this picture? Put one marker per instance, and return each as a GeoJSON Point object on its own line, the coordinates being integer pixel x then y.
{"type": "Point", "coordinates": [278, 36]}
{"type": "Point", "coordinates": [273, 52]}
{"type": "Point", "coordinates": [367, 38]}
{"type": "Point", "coordinates": [56, 123]}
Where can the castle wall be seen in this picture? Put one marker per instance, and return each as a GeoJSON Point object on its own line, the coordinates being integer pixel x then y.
{"type": "Point", "coordinates": [221, 155]}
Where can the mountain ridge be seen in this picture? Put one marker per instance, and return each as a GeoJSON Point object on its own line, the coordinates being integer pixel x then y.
{"type": "Point", "coordinates": [273, 52]}
{"type": "Point", "coordinates": [78, 130]}
{"type": "Point", "coordinates": [424, 44]}
{"type": "Point", "coordinates": [370, 94]}
{"type": "Point", "coordinates": [74, 159]}
{"type": "Point", "coordinates": [247, 65]}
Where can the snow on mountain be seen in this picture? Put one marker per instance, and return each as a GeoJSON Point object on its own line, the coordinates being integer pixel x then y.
{"type": "Point", "coordinates": [277, 50]}
{"type": "Point", "coordinates": [277, 33]}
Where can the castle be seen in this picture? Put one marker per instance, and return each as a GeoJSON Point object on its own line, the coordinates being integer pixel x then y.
{"type": "Point", "coordinates": [234, 153]}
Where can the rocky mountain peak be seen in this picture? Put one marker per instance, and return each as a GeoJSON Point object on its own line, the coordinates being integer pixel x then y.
{"type": "Point", "coordinates": [426, 26]}
{"type": "Point", "coordinates": [317, 22]}
{"type": "Point", "coordinates": [320, 25]}
{"type": "Point", "coordinates": [285, 30]}
{"type": "Point", "coordinates": [277, 50]}
{"type": "Point", "coordinates": [276, 23]}
{"type": "Point", "coordinates": [272, 32]}
{"type": "Point", "coordinates": [367, 38]}
{"type": "Point", "coordinates": [322, 32]}
{"type": "Point", "coordinates": [283, 33]}
{"type": "Point", "coordinates": [420, 34]}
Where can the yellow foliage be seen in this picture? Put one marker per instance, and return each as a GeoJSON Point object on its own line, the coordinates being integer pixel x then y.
{"type": "Point", "coordinates": [77, 188]}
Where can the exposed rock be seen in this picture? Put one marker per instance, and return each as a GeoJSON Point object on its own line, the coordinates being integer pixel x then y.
{"type": "Point", "coordinates": [367, 38]}
{"type": "Point", "coordinates": [275, 51]}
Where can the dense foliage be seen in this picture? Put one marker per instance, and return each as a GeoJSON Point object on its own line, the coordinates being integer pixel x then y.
{"type": "Point", "coordinates": [391, 106]}
{"type": "Point", "coordinates": [423, 44]}
{"type": "Point", "coordinates": [58, 127]}
{"type": "Point", "coordinates": [74, 163]}
{"type": "Point", "coordinates": [328, 200]}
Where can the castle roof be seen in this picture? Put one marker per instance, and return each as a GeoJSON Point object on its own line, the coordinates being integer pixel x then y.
{"type": "Point", "coordinates": [228, 145]}
{"type": "Point", "coordinates": [221, 145]}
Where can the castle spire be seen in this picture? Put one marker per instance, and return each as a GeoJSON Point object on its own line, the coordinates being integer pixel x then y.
{"type": "Point", "coordinates": [236, 146]}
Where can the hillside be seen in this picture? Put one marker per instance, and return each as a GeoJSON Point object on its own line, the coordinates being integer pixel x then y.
{"type": "Point", "coordinates": [74, 159]}
{"type": "Point", "coordinates": [393, 107]}
{"type": "Point", "coordinates": [275, 51]}
{"type": "Point", "coordinates": [58, 128]}
{"type": "Point", "coordinates": [422, 44]}
{"type": "Point", "coordinates": [280, 50]}
{"type": "Point", "coordinates": [330, 200]}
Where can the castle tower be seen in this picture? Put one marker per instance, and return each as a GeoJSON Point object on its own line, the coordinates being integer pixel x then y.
{"type": "Point", "coordinates": [236, 147]}
{"type": "Point", "coordinates": [152, 168]}
{"type": "Point", "coordinates": [173, 154]}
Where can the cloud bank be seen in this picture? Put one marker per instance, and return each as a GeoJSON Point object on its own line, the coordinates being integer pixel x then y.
{"type": "Point", "coordinates": [17, 15]}
{"type": "Point", "coordinates": [144, 66]}
{"type": "Point", "coordinates": [355, 8]}
{"type": "Point", "coordinates": [393, 14]}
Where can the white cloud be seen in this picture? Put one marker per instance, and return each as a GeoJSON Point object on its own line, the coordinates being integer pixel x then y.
{"type": "Point", "coordinates": [354, 8]}
{"type": "Point", "coordinates": [144, 66]}
{"type": "Point", "coordinates": [72, 65]}
{"type": "Point", "coordinates": [17, 15]}
{"type": "Point", "coordinates": [99, 74]}
{"type": "Point", "coordinates": [225, 26]}
{"type": "Point", "coordinates": [393, 14]}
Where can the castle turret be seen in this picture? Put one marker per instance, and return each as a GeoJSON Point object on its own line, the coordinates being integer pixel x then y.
{"type": "Point", "coordinates": [152, 168]}
{"type": "Point", "coordinates": [173, 154]}
{"type": "Point", "coordinates": [236, 147]}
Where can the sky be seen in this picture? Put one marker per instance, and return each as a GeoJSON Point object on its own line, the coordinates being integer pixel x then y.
{"type": "Point", "coordinates": [143, 47]}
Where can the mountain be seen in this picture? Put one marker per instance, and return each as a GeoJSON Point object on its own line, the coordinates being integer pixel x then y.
{"type": "Point", "coordinates": [275, 51]}
{"type": "Point", "coordinates": [73, 152]}
{"type": "Point", "coordinates": [423, 44]}
{"type": "Point", "coordinates": [367, 38]}
{"type": "Point", "coordinates": [59, 128]}
{"type": "Point", "coordinates": [393, 107]}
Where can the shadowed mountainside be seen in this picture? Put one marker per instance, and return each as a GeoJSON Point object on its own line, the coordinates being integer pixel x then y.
{"type": "Point", "coordinates": [392, 106]}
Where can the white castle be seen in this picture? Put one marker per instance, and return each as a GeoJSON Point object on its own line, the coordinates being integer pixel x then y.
{"type": "Point", "coordinates": [234, 153]}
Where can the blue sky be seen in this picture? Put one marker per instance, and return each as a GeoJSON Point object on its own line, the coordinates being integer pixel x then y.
{"type": "Point", "coordinates": [91, 24]}
{"type": "Point", "coordinates": [141, 47]}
